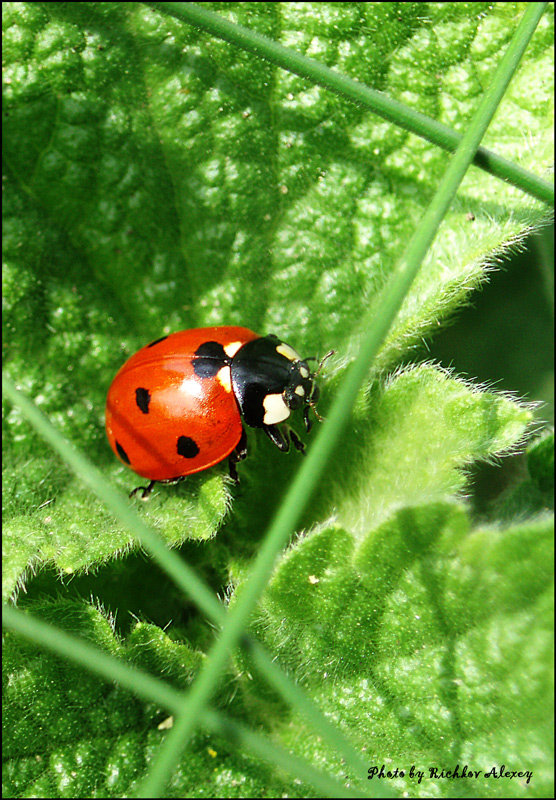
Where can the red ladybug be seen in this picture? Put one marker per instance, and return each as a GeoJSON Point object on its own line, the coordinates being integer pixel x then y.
{"type": "Point", "coordinates": [176, 406]}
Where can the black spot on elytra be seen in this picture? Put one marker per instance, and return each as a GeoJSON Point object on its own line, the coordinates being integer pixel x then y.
{"type": "Point", "coordinates": [122, 453]}
{"type": "Point", "coordinates": [143, 398]}
{"type": "Point", "coordinates": [187, 447]}
{"type": "Point", "coordinates": [209, 359]}
{"type": "Point", "coordinates": [156, 341]}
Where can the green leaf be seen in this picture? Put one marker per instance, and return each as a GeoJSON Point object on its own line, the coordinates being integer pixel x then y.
{"type": "Point", "coordinates": [70, 735]}
{"type": "Point", "coordinates": [533, 492]}
{"type": "Point", "coordinates": [157, 178]}
{"type": "Point", "coordinates": [427, 641]}
{"type": "Point", "coordinates": [247, 170]}
{"type": "Point", "coordinates": [65, 534]}
{"type": "Point", "coordinates": [413, 439]}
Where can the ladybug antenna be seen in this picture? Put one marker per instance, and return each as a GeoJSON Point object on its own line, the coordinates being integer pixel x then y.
{"type": "Point", "coordinates": [315, 394]}
{"type": "Point", "coordinates": [321, 362]}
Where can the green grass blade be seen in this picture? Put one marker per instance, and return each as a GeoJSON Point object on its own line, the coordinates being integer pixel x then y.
{"type": "Point", "coordinates": [152, 689]}
{"type": "Point", "coordinates": [303, 704]}
{"type": "Point", "coordinates": [91, 657]}
{"type": "Point", "coordinates": [186, 578]}
{"type": "Point", "coordinates": [377, 102]}
{"type": "Point", "coordinates": [308, 475]}
{"type": "Point", "coordinates": [254, 743]}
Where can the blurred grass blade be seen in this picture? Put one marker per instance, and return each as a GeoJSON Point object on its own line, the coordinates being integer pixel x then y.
{"type": "Point", "coordinates": [89, 656]}
{"type": "Point", "coordinates": [303, 485]}
{"type": "Point", "coordinates": [252, 742]}
{"type": "Point", "coordinates": [377, 102]}
{"type": "Point", "coordinates": [151, 689]}
{"type": "Point", "coordinates": [181, 573]}
{"type": "Point", "coordinates": [305, 706]}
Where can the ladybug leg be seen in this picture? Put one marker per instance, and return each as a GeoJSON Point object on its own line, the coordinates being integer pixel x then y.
{"type": "Point", "coordinates": [143, 491]}
{"type": "Point", "coordinates": [281, 437]}
{"type": "Point", "coordinates": [296, 441]}
{"type": "Point", "coordinates": [233, 470]}
{"type": "Point", "coordinates": [237, 454]}
{"type": "Point", "coordinates": [278, 437]}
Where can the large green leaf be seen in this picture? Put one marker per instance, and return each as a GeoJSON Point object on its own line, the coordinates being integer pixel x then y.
{"type": "Point", "coordinates": [428, 642]}
{"type": "Point", "coordinates": [73, 736]}
{"type": "Point", "coordinates": [157, 178]}
{"type": "Point", "coordinates": [160, 179]}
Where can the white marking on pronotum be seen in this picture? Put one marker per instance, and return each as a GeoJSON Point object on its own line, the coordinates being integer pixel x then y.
{"type": "Point", "coordinates": [232, 348]}
{"type": "Point", "coordinates": [288, 352]}
{"type": "Point", "coordinates": [304, 371]}
{"type": "Point", "coordinates": [224, 378]}
{"type": "Point", "coordinates": [275, 409]}
{"type": "Point", "coordinates": [300, 391]}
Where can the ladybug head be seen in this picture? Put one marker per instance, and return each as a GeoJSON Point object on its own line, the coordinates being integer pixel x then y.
{"type": "Point", "coordinates": [271, 380]}
{"type": "Point", "coordinates": [302, 391]}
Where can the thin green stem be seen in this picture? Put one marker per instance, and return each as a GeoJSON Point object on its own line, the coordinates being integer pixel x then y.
{"type": "Point", "coordinates": [184, 576]}
{"type": "Point", "coordinates": [377, 102]}
{"type": "Point", "coordinates": [91, 657]}
{"type": "Point", "coordinates": [254, 743]}
{"type": "Point", "coordinates": [152, 689]}
{"type": "Point", "coordinates": [309, 474]}
{"type": "Point", "coordinates": [306, 707]}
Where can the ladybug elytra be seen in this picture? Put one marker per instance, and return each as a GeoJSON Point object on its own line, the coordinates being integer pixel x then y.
{"type": "Point", "coordinates": [178, 405]}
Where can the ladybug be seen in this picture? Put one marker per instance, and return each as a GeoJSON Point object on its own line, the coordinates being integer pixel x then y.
{"type": "Point", "coordinates": [178, 405]}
